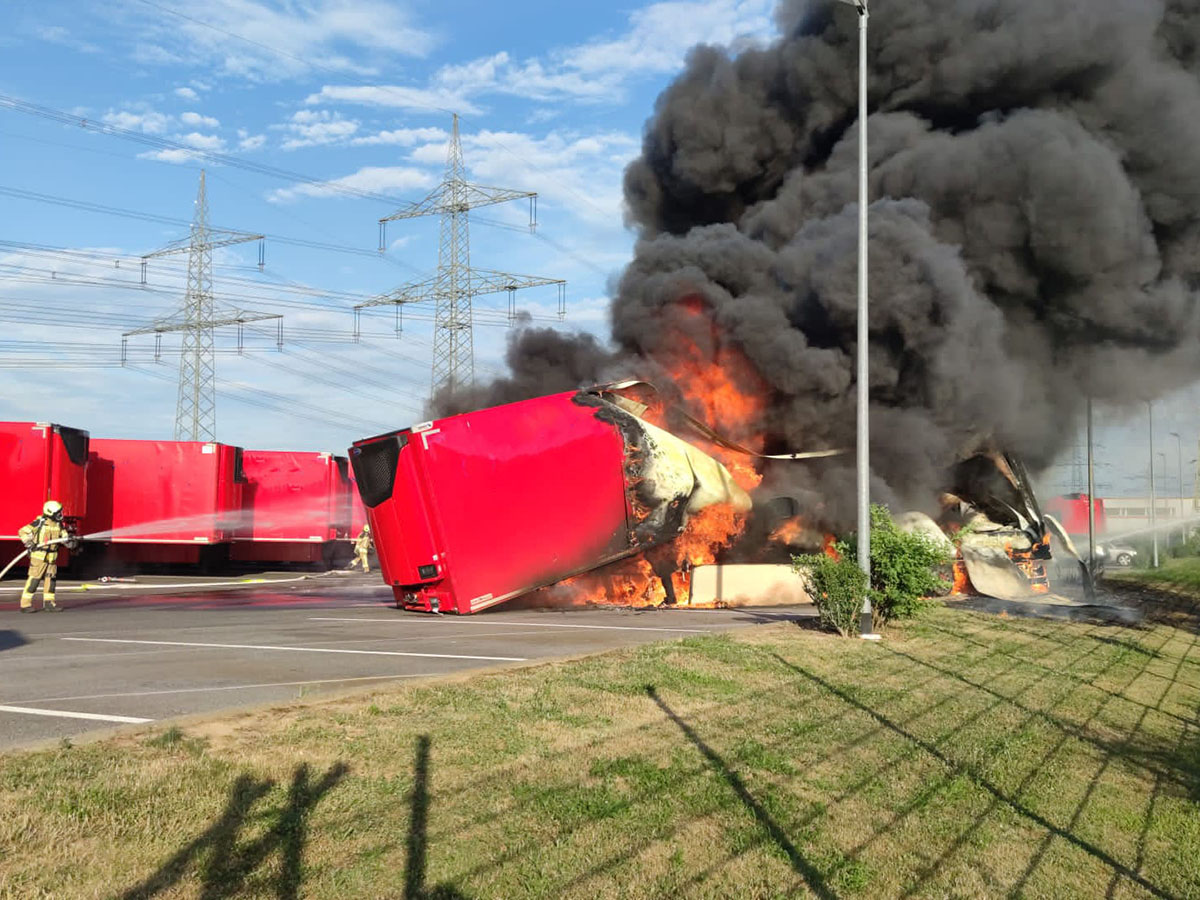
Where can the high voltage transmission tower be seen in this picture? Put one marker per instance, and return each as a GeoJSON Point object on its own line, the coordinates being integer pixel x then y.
{"type": "Point", "coordinates": [196, 408]}
{"type": "Point", "coordinates": [457, 283]}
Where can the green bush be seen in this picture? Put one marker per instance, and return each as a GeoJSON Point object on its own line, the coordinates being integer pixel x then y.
{"type": "Point", "coordinates": [836, 587]}
{"type": "Point", "coordinates": [904, 568]}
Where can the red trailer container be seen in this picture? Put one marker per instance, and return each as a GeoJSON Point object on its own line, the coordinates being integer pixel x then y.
{"type": "Point", "coordinates": [475, 509]}
{"type": "Point", "coordinates": [1072, 511]}
{"type": "Point", "coordinates": [295, 506]}
{"type": "Point", "coordinates": [39, 462]}
{"type": "Point", "coordinates": [163, 501]}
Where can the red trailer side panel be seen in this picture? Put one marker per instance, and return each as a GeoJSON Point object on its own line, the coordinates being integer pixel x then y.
{"type": "Point", "coordinates": [1072, 511]}
{"type": "Point", "coordinates": [480, 507]}
{"type": "Point", "coordinates": [163, 492]}
{"type": "Point", "coordinates": [293, 505]}
{"type": "Point", "coordinates": [40, 461]}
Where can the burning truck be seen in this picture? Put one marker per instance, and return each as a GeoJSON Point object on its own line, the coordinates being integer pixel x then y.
{"type": "Point", "coordinates": [584, 490]}
{"type": "Point", "coordinates": [475, 509]}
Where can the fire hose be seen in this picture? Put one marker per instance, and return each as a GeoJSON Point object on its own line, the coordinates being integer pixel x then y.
{"type": "Point", "coordinates": [20, 556]}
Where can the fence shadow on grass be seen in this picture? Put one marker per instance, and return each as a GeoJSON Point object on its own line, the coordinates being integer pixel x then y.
{"type": "Point", "coordinates": [803, 867]}
{"type": "Point", "coordinates": [415, 861]}
{"type": "Point", "coordinates": [225, 862]}
{"type": "Point", "coordinates": [999, 796]}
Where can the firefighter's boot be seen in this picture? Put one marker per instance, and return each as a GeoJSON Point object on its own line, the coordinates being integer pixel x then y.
{"type": "Point", "coordinates": [48, 603]}
{"type": "Point", "coordinates": [27, 596]}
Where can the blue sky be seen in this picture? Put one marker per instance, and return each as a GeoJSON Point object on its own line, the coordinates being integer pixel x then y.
{"type": "Point", "coordinates": [356, 92]}
{"type": "Point", "coordinates": [553, 98]}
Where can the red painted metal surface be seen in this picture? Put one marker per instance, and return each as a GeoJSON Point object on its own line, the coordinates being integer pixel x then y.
{"type": "Point", "coordinates": [39, 462]}
{"type": "Point", "coordinates": [475, 509]}
{"type": "Point", "coordinates": [1072, 511]}
{"type": "Point", "coordinates": [161, 501]}
{"type": "Point", "coordinates": [294, 505]}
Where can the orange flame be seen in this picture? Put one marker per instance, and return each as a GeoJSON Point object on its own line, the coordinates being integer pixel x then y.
{"type": "Point", "coordinates": [721, 388]}
{"type": "Point", "coordinates": [790, 531]}
{"type": "Point", "coordinates": [829, 548]}
{"type": "Point", "coordinates": [962, 581]}
{"type": "Point", "coordinates": [633, 582]}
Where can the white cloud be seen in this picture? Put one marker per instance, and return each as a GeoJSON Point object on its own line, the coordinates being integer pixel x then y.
{"type": "Point", "coordinates": [368, 178]}
{"type": "Point", "coordinates": [311, 128]}
{"type": "Point", "coordinates": [581, 172]}
{"type": "Point", "coordinates": [195, 120]}
{"type": "Point", "coordinates": [331, 34]}
{"type": "Point", "coordinates": [248, 141]}
{"type": "Point", "coordinates": [186, 93]}
{"type": "Point", "coordinates": [149, 121]}
{"type": "Point", "coordinates": [170, 156]}
{"type": "Point", "coordinates": [402, 137]}
{"type": "Point", "coordinates": [57, 34]}
{"type": "Point", "coordinates": [394, 95]}
{"type": "Point", "coordinates": [209, 142]}
{"type": "Point", "coordinates": [655, 41]}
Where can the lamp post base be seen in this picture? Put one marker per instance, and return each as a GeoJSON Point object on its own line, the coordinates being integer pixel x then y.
{"type": "Point", "coordinates": [866, 626]}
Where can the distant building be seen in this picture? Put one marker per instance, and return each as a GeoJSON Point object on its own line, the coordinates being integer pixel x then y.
{"type": "Point", "coordinates": [1125, 515]}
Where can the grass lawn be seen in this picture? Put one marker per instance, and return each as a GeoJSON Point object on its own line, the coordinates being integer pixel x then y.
{"type": "Point", "coordinates": [964, 756]}
{"type": "Point", "coordinates": [1181, 576]}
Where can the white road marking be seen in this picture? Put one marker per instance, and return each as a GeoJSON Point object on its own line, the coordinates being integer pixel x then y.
{"type": "Point", "coordinates": [226, 687]}
{"type": "Point", "coordinates": [297, 649]}
{"type": "Point", "coordinates": [465, 621]}
{"type": "Point", "coordinates": [64, 714]}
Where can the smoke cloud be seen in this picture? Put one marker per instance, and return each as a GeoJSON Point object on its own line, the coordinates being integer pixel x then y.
{"type": "Point", "coordinates": [1033, 231]}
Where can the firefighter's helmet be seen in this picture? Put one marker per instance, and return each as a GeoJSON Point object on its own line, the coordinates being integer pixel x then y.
{"type": "Point", "coordinates": [366, 529]}
{"type": "Point", "coordinates": [53, 509]}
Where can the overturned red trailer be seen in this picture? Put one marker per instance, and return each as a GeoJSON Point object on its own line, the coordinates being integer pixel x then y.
{"type": "Point", "coordinates": [40, 461]}
{"type": "Point", "coordinates": [472, 510]}
{"type": "Point", "coordinates": [163, 501]}
{"type": "Point", "coordinates": [296, 508]}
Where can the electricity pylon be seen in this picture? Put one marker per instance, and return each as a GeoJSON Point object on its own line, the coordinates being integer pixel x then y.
{"type": "Point", "coordinates": [196, 408]}
{"type": "Point", "coordinates": [457, 283]}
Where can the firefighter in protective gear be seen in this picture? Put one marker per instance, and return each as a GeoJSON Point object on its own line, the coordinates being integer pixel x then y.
{"type": "Point", "coordinates": [43, 537]}
{"type": "Point", "coordinates": [362, 546]}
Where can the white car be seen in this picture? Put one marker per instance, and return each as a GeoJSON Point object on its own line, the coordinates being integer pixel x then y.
{"type": "Point", "coordinates": [1116, 553]}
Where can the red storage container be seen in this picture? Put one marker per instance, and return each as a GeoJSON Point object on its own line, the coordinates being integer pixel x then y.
{"type": "Point", "coordinates": [294, 507]}
{"type": "Point", "coordinates": [163, 501]}
{"type": "Point", "coordinates": [475, 509]}
{"type": "Point", "coordinates": [39, 462]}
{"type": "Point", "coordinates": [481, 507]}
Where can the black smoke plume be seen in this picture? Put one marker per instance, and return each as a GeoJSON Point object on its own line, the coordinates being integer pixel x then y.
{"type": "Point", "coordinates": [1034, 235]}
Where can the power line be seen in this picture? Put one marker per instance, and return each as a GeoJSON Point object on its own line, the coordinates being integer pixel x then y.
{"type": "Point", "coordinates": [161, 143]}
{"type": "Point", "coordinates": [21, 194]}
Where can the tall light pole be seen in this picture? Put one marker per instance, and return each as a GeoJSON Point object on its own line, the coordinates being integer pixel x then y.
{"type": "Point", "coordinates": [1153, 500]}
{"type": "Point", "coordinates": [1163, 469]}
{"type": "Point", "coordinates": [867, 629]}
{"type": "Point", "coordinates": [1179, 462]}
{"type": "Point", "coordinates": [1091, 492]}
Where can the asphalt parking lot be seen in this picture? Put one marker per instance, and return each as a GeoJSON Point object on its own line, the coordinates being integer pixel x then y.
{"type": "Point", "coordinates": [116, 658]}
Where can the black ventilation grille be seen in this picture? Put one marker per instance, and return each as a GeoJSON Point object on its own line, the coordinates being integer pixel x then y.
{"type": "Point", "coordinates": [375, 468]}
{"type": "Point", "coordinates": [429, 571]}
{"type": "Point", "coordinates": [76, 442]}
